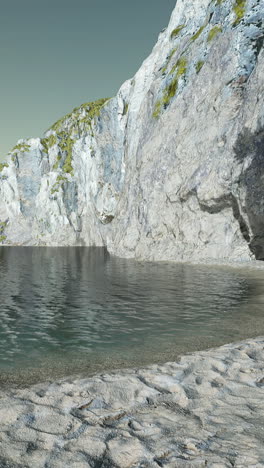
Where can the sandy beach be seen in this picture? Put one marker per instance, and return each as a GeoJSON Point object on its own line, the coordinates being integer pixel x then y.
{"type": "Point", "coordinates": [205, 410]}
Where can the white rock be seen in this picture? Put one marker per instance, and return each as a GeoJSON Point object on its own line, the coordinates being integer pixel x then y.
{"type": "Point", "coordinates": [184, 185]}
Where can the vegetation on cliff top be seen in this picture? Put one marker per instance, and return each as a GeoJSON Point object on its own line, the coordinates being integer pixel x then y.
{"type": "Point", "coordinates": [82, 114]}
{"type": "Point", "coordinates": [68, 128]}
{"type": "Point", "coordinates": [48, 142]}
{"type": "Point", "coordinates": [3, 165]}
{"type": "Point", "coordinates": [21, 148]}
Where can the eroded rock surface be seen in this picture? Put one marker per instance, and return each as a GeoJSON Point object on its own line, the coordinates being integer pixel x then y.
{"type": "Point", "coordinates": [206, 410]}
{"type": "Point", "coordinates": [169, 169]}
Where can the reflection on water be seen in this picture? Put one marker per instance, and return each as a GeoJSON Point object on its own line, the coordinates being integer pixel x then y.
{"type": "Point", "coordinates": [66, 310]}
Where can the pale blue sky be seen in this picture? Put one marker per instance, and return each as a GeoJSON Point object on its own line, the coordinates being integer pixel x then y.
{"type": "Point", "coordinates": [57, 54]}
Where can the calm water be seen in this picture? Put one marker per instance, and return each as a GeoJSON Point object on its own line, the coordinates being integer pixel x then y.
{"type": "Point", "coordinates": [77, 310]}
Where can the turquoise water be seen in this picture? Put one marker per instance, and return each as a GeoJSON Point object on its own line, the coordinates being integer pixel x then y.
{"type": "Point", "coordinates": [78, 310]}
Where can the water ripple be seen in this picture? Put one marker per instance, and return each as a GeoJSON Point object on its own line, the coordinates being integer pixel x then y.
{"type": "Point", "coordinates": [70, 302]}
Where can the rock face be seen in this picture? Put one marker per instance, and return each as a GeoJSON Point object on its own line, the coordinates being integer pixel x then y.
{"type": "Point", "coordinates": [172, 167]}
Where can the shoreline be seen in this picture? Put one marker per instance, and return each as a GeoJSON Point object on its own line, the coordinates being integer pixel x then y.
{"type": "Point", "coordinates": [251, 264]}
{"type": "Point", "coordinates": [206, 409]}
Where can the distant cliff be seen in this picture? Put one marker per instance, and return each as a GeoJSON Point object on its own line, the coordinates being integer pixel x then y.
{"type": "Point", "coordinates": [171, 168]}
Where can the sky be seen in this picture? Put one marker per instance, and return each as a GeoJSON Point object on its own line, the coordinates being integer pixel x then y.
{"type": "Point", "coordinates": [57, 54]}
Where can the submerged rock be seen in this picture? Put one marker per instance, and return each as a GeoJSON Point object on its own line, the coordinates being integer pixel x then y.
{"type": "Point", "coordinates": [169, 169]}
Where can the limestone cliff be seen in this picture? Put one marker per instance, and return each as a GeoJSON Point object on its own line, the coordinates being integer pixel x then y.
{"type": "Point", "coordinates": [172, 168]}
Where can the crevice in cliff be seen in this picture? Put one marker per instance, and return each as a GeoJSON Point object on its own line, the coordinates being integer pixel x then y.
{"type": "Point", "coordinates": [251, 145]}
{"type": "Point", "coordinates": [238, 216]}
{"type": "Point", "coordinates": [228, 201]}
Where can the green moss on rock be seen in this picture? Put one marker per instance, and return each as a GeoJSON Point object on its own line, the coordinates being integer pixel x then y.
{"type": "Point", "coordinates": [69, 128]}
{"type": "Point", "coordinates": [172, 52]}
{"type": "Point", "coordinates": [43, 141]}
{"type": "Point", "coordinates": [61, 178]}
{"type": "Point", "coordinates": [125, 110]}
{"type": "Point", "coordinates": [239, 9]}
{"type": "Point", "coordinates": [3, 165]}
{"type": "Point", "coordinates": [157, 109]}
{"type": "Point", "coordinates": [92, 110]}
{"type": "Point", "coordinates": [66, 145]}
{"type": "Point", "coordinates": [198, 33]}
{"type": "Point", "coordinates": [48, 142]}
{"type": "Point", "coordinates": [56, 165]}
{"type": "Point", "coordinates": [213, 32]}
{"type": "Point", "coordinates": [180, 66]}
{"type": "Point", "coordinates": [177, 30]}
{"type": "Point", "coordinates": [3, 225]}
{"type": "Point", "coordinates": [80, 115]}
{"type": "Point", "coordinates": [199, 66]}
{"type": "Point", "coordinates": [21, 148]}
{"type": "Point", "coordinates": [58, 184]}
{"type": "Point", "coordinates": [54, 189]}
{"type": "Point", "coordinates": [170, 91]}
{"type": "Point", "coordinates": [179, 69]}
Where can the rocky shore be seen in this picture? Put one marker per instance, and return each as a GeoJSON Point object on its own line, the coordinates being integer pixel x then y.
{"type": "Point", "coordinates": [205, 410]}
